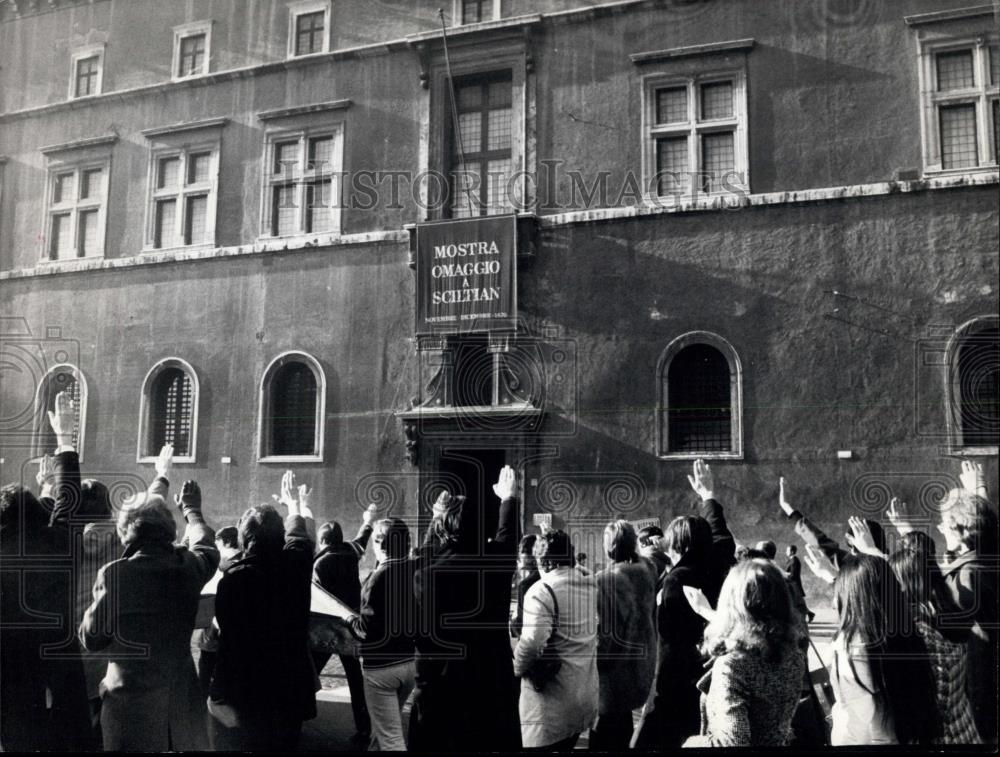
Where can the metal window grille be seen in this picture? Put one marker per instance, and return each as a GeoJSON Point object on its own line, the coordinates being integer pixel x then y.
{"type": "Point", "coordinates": [172, 412]}
{"type": "Point", "coordinates": [292, 418]}
{"type": "Point", "coordinates": [979, 388]}
{"type": "Point", "coordinates": [699, 413]}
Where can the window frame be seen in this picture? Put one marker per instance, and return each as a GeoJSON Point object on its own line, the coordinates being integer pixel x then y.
{"type": "Point", "coordinates": [301, 179]}
{"type": "Point", "coordinates": [694, 128]}
{"type": "Point", "coordinates": [81, 54]}
{"type": "Point", "coordinates": [183, 32]}
{"type": "Point", "coordinates": [263, 409]}
{"type": "Point", "coordinates": [482, 79]}
{"type": "Point", "coordinates": [982, 95]}
{"type": "Point", "coordinates": [458, 13]}
{"type": "Point", "coordinates": [302, 8]}
{"type": "Point", "coordinates": [146, 405]}
{"type": "Point", "coordinates": [711, 339]}
{"type": "Point", "coordinates": [41, 419]}
{"type": "Point", "coordinates": [182, 149]}
{"type": "Point", "coordinates": [75, 208]}
{"type": "Point", "coordinates": [952, 388]}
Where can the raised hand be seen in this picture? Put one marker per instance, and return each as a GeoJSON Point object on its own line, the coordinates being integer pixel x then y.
{"type": "Point", "coordinates": [820, 564]}
{"type": "Point", "coordinates": [369, 515]}
{"type": "Point", "coordinates": [899, 517]}
{"type": "Point", "coordinates": [287, 498]}
{"type": "Point", "coordinates": [506, 485]}
{"type": "Point", "coordinates": [702, 481]}
{"type": "Point", "coordinates": [699, 602]}
{"type": "Point", "coordinates": [63, 419]}
{"type": "Point", "coordinates": [164, 463]}
{"type": "Point", "coordinates": [861, 537]}
{"type": "Point", "coordinates": [783, 503]}
{"type": "Point", "coordinates": [973, 479]}
{"type": "Point", "coordinates": [190, 496]}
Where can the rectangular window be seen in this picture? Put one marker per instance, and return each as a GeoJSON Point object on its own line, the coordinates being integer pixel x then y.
{"type": "Point", "coordinates": [959, 85]}
{"type": "Point", "coordinates": [87, 71]}
{"type": "Point", "coordinates": [183, 197]}
{"type": "Point", "coordinates": [308, 28]}
{"type": "Point", "coordinates": [303, 182]}
{"type": "Point", "coordinates": [477, 11]}
{"type": "Point", "coordinates": [696, 134]}
{"type": "Point", "coordinates": [192, 49]}
{"type": "Point", "coordinates": [481, 149]}
{"type": "Point", "coordinates": [76, 211]}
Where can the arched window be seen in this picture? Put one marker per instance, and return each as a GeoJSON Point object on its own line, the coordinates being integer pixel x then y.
{"type": "Point", "coordinates": [59, 378]}
{"type": "Point", "coordinates": [700, 405]}
{"type": "Point", "coordinates": [292, 409]}
{"type": "Point", "coordinates": [974, 387]}
{"type": "Point", "coordinates": [169, 411]}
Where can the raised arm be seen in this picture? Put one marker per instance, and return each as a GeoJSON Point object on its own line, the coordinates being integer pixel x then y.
{"type": "Point", "coordinates": [164, 464]}
{"type": "Point", "coordinates": [505, 488]}
{"type": "Point", "coordinates": [64, 468]}
{"type": "Point", "coordinates": [805, 528]}
{"type": "Point", "coordinates": [198, 537]}
{"type": "Point", "coordinates": [360, 542]}
{"type": "Point", "coordinates": [703, 483]}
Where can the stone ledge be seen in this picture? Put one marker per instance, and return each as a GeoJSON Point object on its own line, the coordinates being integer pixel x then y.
{"type": "Point", "coordinates": [185, 255]}
{"type": "Point", "coordinates": [734, 202]}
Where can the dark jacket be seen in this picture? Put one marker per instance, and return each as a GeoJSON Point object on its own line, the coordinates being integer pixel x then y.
{"type": "Point", "coordinates": [467, 695]}
{"type": "Point", "coordinates": [675, 712]}
{"type": "Point", "coordinates": [262, 608]}
{"type": "Point", "coordinates": [723, 555]}
{"type": "Point", "coordinates": [336, 568]}
{"type": "Point", "coordinates": [626, 635]}
{"type": "Point", "coordinates": [142, 616]}
{"type": "Point", "coordinates": [388, 614]}
{"type": "Point", "coordinates": [971, 579]}
{"type": "Point", "coordinates": [37, 580]}
{"type": "Point", "coordinates": [794, 570]}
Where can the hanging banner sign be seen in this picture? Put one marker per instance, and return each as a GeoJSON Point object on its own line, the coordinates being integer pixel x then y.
{"type": "Point", "coordinates": [467, 275]}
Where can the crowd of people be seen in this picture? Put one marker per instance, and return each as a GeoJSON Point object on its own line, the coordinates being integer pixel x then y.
{"type": "Point", "coordinates": [500, 641]}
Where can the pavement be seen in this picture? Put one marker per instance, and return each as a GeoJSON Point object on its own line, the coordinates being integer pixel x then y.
{"type": "Point", "coordinates": [333, 727]}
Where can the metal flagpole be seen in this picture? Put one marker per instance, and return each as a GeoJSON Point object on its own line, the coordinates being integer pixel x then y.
{"type": "Point", "coordinates": [454, 111]}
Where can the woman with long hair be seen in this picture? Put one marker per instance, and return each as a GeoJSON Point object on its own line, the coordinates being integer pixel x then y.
{"type": "Point", "coordinates": [881, 677]}
{"type": "Point", "coordinates": [673, 717]}
{"type": "Point", "coordinates": [757, 644]}
{"type": "Point", "coordinates": [947, 645]}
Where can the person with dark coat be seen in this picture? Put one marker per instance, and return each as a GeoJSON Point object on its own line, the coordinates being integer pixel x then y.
{"type": "Point", "coordinates": [467, 695]}
{"type": "Point", "coordinates": [793, 570]}
{"type": "Point", "coordinates": [335, 569]}
{"type": "Point", "coordinates": [387, 624]}
{"type": "Point", "coordinates": [264, 686]}
{"type": "Point", "coordinates": [649, 548]}
{"type": "Point", "coordinates": [527, 575]}
{"type": "Point", "coordinates": [674, 715]}
{"type": "Point", "coordinates": [143, 616]}
{"type": "Point", "coordinates": [35, 534]}
{"type": "Point", "coordinates": [626, 637]}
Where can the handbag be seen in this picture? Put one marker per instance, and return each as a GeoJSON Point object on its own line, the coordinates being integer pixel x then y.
{"type": "Point", "coordinates": [823, 688]}
{"type": "Point", "coordinates": [546, 667]}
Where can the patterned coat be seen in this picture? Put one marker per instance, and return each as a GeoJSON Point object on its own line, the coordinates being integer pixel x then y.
{"type": "Point", "coordinates": [748, 700]}
{"type": "Point", "coordinates": [949, 661]}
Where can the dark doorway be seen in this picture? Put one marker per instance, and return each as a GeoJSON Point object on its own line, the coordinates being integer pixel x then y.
{"type": "Point", "coordinates": [473, 472]}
